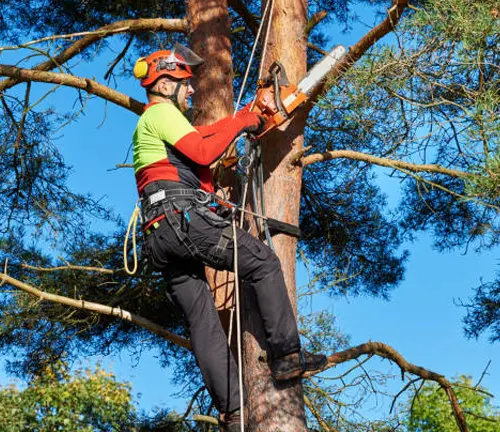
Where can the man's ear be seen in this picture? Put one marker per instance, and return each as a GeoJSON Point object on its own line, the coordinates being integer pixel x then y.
{"type": "Point", "coordinates": [160, 84]}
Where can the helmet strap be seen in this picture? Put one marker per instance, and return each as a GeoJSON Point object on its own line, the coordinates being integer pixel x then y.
{"type": "Point", "coordinates": [174, 97]}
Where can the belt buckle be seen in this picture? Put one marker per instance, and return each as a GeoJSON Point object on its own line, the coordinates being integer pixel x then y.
{"type": "Point", "coordinates": [157, 196]}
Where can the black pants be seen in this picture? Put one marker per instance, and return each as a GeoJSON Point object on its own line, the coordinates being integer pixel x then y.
{"type": "Point", "coordinates": [258, 266]}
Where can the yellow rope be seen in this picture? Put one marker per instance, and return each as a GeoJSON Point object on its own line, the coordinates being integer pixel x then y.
{"type": "Point", "coordinates": [136, 214]}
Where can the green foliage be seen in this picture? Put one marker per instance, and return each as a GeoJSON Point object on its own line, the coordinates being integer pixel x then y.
{"type": "Point", "coordinates": [43, 331]}
{"type": "Point", "coordinates": [483, 311]}
{"type": "Point", "coordinates": [344, 228]}
{"type": "Point", "coordinates": [84, 401]}
{"type": "Point", "coordinates": [485, 180]}
{"type": "Point", "coordinates": [431, 410]}
{"type": "Point", "coordinates": [463, 21]}
{"type": "Point", "coordinates": [429, 96]}
{"type": "Point", "coordinates": [35, 198]}
{"type": "Point", "coordinates": [164, 421]}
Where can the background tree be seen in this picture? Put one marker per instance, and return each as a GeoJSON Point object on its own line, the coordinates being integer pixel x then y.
{"type": "Point", "coordinates": [424, 107]}
{"type": "Point", "coordinates": [430, 410]}
{"type": "Point", "coordinates": [81, 401]}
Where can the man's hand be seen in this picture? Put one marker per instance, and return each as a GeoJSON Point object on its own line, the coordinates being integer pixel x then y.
{"type": "Point", "coordinates": [254, 123]}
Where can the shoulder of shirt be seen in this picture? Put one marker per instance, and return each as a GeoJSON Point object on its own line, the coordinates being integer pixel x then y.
{"type": "Point", "coordinates": [162, 106]}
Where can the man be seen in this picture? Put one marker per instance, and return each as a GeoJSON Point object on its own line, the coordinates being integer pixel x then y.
{"type": "Point", "coordinates": [183, 234]}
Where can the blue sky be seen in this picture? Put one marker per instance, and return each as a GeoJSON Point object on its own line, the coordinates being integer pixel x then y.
{"type": "Point", "coordinates": [421, 320]}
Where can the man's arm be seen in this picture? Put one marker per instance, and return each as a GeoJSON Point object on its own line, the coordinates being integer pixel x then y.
{"type": "Point", "coordinates": [173, 128]}
{"type": "Point", "coordinates": [207, 130]}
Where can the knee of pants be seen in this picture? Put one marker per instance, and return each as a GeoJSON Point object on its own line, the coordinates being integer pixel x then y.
{"type": "Point", "coordinates": [270, 266]}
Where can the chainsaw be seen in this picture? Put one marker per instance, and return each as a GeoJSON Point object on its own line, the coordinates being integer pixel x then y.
{"type": "Point", "coordinates": [277, 99]}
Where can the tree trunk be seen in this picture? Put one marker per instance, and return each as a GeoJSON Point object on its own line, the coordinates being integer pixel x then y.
{"type": "Point", "coordinates": [269, 407]}
{"type": "Point", "coordinates": [209, 34]}
{"type": "Point", "coordinates": [272, 407]}
{"type": "Point", "coordinates": [213, 100]}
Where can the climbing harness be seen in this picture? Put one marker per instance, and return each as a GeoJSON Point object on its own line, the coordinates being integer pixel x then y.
{"type": "Point", "coordinates": [164, 204]}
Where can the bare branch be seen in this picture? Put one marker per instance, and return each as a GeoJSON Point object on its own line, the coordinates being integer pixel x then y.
{"type": "Point", "coordinates": [192, 401]}
{"type": "Point", "coordinates": [250, 20]}
{"type": "Point", "coordinates": [90, 86]}
{"type": "Point", "coordinates": [400, 392]}
{"type": "Point", "coordinates": [99, 308]}
{"type": "Point", "coordinates": [119, 57]}
{"type": "Point", "coordinates": [314, 21]}
{"type": "Point", "coordinates": [485, 372]}
{"type": "Point", "coordinates": [317, 415]}
{"type": "Point", "coordinates": [364, 44]}
{"type": "Point", "coordinates": [205, 419]}
{"type": "Point", "coordinates": [69, 267]}
{"type": "Point", "coordinates": [126, 26]}
{"type": "Point", "coordinates": [385, 351]}
{"type": "Point", "coordinates": [298, 159]}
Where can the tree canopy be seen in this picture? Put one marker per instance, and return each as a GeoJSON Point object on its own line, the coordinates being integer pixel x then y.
{"type": "Point", "coordinates": [430, 410]}
{"type": "Point", "coordinates": [84, 401]}
{"type": "Point", "coordinates": [420, 104]}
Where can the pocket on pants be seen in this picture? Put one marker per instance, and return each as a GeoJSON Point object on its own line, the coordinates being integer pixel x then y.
{"type": "Point", "coordinates": [212, 218]}
{"type": "Point", "coordinates": [256, 248]}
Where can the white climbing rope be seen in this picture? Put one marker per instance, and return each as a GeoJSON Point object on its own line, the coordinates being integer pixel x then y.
{"type": "Point", "coordinates": [238, 326]}
{"type": "Point", "coordinates": [264, 49]}
{"type": "Point", "coordinates": [269, 6]}
{"type": "Point", "coordinates": [267, 14]}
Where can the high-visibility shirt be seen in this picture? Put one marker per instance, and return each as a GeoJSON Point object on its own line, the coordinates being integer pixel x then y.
{"type": "Point", "coordinates": [168, 147]}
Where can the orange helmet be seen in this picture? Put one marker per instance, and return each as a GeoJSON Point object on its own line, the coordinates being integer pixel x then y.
{"type": "Point", "coordinates": [174, 63]}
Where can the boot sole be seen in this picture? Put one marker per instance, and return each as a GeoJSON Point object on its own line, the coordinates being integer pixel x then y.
{"type": "Point", "coordinates": [296, 373]}
{"type": "Point", "coordinates": [318, 367]}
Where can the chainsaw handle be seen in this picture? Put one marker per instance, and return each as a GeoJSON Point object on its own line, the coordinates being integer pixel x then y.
{"type": "Point", "coordinates": [277, 96]}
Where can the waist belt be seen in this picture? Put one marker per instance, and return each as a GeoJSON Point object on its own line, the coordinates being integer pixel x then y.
{"type": "Point", "coordinates": [198, 195]}
{"type": "Point", "coordinates": [203, 198]}
{"type": "Point", "coordinates": [157, 200]}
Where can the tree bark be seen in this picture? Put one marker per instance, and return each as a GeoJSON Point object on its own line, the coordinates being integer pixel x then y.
{"type": "Point", "coordinates": [213, 99]}
{"type": "Point", "coordinates": [272, 407]}
{"type": "Point", "coordinates": [209, 33]}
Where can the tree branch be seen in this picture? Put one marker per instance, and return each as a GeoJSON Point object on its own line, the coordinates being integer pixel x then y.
{"type": "Point", "coordinates": [70, 267]}
{"type": "Point", "coordinates": [314, 21]}
{"type": "Point", "coordinates": [382, 350]}
{"type": "Point", "coordinates": [317, 415]}
{"type": "Point", "coordinates": [240, 8]}
{"type": "Point", "coordinates": [364, 44]}
{"type": "Point", "coordinates": [299, 159]}
{"type": "Point", "coordinates": [99, 308]}
{"type": "Point", "coordinates": [90, 86]}
{"type": "Point", "coordinates": [126, 26]}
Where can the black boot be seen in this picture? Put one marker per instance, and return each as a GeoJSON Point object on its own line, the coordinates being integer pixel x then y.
{"type": "Point", "coordinates": [295, 364]}
{"type": "Point", "coordinates": [231, 422]}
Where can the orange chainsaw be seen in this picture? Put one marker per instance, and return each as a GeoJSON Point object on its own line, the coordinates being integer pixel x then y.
{"type": "Point", "coordinates": [276, 98]}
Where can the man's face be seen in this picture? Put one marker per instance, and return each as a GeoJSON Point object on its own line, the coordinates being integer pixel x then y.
{"type": "Point", "coordinates": [184, 92]}
{"type": "Point", "coordinates": [184, 95]}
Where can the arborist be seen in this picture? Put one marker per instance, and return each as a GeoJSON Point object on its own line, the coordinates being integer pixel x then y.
{"type": "Point", "coordinates": [184, 233]}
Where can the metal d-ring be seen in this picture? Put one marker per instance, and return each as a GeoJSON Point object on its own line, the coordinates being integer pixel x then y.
{"type": "Point", "coordinates": [202, 197]}
{"type": "Point", "coordinates": [245, 162]}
